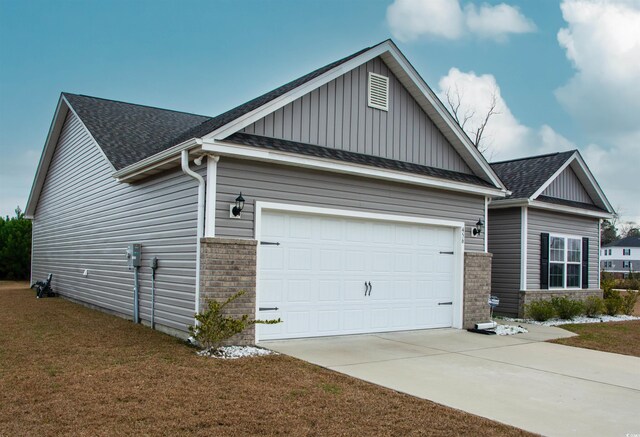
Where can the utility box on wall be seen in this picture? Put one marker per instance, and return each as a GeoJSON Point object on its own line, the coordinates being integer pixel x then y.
{"type": "Point", "coordinates": [133, 255]}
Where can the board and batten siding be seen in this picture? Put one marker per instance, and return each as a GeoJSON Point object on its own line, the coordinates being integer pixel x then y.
{"type": "Point", "coordinates": [540, 221]}
{"type": "Point", "coordinates": [260, 181]}
{"type": "Point", "coordinates": [336, 115]}
{"type": "Point", "coordinates": [84, 219]}
{"type": "Point", "coordinates": [504, 229]}
{"type": "Point", "coordinates": [567, 186]}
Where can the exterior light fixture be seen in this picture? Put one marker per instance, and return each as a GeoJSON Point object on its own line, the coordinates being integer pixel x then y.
{"type": "Point", "coordinates": [239, 206]}
{"type": "Point", "coordinates": [478, 229]}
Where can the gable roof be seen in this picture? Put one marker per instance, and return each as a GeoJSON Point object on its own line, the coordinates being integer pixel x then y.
{"type": "Point", "coordinates": [137, 139]}
{"type": "Point", "coordinates": [524, 176]}
{"type": "Point", "coordinates": [625, 242]}
{"type": "Point", "coordinates": [527, 179]}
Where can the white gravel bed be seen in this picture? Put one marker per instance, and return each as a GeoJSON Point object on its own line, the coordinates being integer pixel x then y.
{"type": "Point", "coordinates": [235, 352]}
{"type": "Point", "coordinates": [510, 330]}
{"type": "Point", "coordinates": [579, 319]}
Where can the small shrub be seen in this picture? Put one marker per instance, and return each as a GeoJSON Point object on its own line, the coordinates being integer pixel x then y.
{"type": "Point", "coordinates": [214, 326]}
{"type": "Point", "coordinates": [613, 303]}
{"type": "Point", "coordinates": [540, 310]}
{"type": "Point", "coordinates": [628, 302]}
{"type": "Point", "coordinates": [593, 306]}
{"type": "Point", "coordinates": [567, 308]}
{"type": "Point", "coordinates": [607, 283]}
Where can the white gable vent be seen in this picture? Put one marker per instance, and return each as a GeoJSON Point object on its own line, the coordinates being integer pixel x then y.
{"type": "Point", "coordinates": [378, 96]}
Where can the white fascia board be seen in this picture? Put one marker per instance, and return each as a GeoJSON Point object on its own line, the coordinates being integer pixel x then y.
{"type": "Point", "coordinates": [507, 203]}
{"type": "Point", "coordinates": [569, 209]}
{"type": "Point", "coordinates": [170, 154]}
{"type": "Point", "coordinates": [445, 115]}
{"type": "Point", "coordinates": [62, 108]}
{"type": "Point", "coordinates": [244, 152]}
{"type": "Point", "coordinates": [277, 103]}
{"type": "Point", "coordinates": [593, 182]}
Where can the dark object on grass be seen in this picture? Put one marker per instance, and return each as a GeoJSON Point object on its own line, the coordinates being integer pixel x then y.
{"type": "Point", "coordinates": [482, 331]}
{"type": "Point", "coordinates": [43, 288]}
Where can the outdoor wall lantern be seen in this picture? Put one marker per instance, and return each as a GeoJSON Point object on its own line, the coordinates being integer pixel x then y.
{"type": "Point", "coordinates": [238, 207]}
{"type": "Point", "coordinates": [478, 229]}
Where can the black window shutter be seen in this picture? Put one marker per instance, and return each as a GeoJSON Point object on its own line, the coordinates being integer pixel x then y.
{"type": "Point", "coordinates": [585, 263]}
{"type": "Point", "coordinates": [544, 261]}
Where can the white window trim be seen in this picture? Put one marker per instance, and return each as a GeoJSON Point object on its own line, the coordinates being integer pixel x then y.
{"type": "Point", "coordinates": [458, 243]}
{"type": "Point", "coordinates": [566, 261]}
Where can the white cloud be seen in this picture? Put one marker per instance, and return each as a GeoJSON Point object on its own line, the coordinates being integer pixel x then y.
{"type": "Point", "coordinates": [412, 19]}
{"type": "Point", "coordinates": [602, 41]}
{"type": "Point", "coordinates": [496, 22]}
{"type": "Point", "coordinates": [505, 136]}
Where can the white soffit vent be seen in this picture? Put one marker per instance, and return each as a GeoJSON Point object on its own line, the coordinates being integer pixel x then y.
{"type": "Point", "coordinates": [378, 96]}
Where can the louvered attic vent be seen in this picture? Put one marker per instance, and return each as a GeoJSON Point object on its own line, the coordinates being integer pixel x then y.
{"type": "Point", "coordinates": [378, 96]}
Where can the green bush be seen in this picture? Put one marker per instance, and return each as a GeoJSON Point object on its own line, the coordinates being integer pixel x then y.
{"type": "Point", "coordinates": [540, 310]}
{"type": "Point", "coordinates": [567, 308]}
{"type": "Point", "coordinates": [613, 303]}
{"type": "Point", "coordinates": [15, 247]}
{"type": "Point", "coordinates": [628, 302]}
{"type": "Point", "coordinates": [593, 306]}
{"type": "Point", "coordinates": [214, 327]}
{"type": "Point", "coordinates": [607, 283]}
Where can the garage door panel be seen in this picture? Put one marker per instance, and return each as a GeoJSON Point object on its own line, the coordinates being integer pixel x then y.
{"type": "Point", "coordinates": [316, 276]}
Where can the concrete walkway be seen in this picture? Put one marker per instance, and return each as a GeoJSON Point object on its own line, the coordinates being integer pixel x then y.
{"type": "Point", "coordinates": [519, 380]}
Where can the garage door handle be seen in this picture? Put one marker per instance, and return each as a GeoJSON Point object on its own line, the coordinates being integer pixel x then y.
{"type": "Point", "coordinates": [268, 309]}
{"type": "Point", "coordinates": [366, 288]}
{"type": "Point", "coordinates": [370, 288]}
{"type": "Point", "coordinates": [445, 303]}
{"type": "Point", "coordinates": [446, 253]}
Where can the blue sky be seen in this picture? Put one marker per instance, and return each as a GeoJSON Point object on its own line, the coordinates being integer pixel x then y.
{"type": "Point", "coordinates": [206, 57]}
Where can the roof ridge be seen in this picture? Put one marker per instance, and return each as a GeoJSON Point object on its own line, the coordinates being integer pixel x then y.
{"type": "Point", "coordinates": [137, 104]}
{"type": "Point", "coordinates": [526, 158]}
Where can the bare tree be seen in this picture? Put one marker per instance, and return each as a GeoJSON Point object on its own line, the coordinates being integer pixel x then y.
{"type": "Point", "coordinates": [454, 102]}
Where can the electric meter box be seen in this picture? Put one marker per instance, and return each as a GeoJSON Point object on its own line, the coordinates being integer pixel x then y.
{"type": "Point", "coordinates": [133, 255]}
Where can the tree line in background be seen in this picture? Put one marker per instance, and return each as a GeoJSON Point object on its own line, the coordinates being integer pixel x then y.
{"type": "Point", "coordinates": [15, 246]}
{"type": "Point", "coordinates": [612, 230]}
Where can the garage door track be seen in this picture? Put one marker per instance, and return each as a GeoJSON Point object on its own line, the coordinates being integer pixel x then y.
{"type": "Point", "coordinates": [518, 380]}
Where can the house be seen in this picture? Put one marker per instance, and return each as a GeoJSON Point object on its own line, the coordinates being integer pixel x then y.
{"type": "Point", "coordinates": [621, 257]}
{"type": "Point", "coordinates": [346, 201]}
{"type": "Point", "coordinates": [545, 235]}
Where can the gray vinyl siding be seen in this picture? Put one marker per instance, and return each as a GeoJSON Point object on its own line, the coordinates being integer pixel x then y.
{"type": "Point", "coordinates": [85, 219]}
{"type": "Point", "coordinates": [293, 185]}
{"type": "Point", "coordinates": [540, 221]}
{"type": "Point", "coordinates": [336, 115]}
{"type": "Point", "coordinates": [567, 186]}
{"type": "Point", "coordinates": [504, 229]}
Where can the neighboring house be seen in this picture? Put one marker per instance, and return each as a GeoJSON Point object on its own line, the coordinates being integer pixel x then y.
{"type": "Point", "coordinates": [621, 257]}
{"type": "Point", "coordinates": [361, 199]}
{"type": "Point", "coordinates": [545, 236]}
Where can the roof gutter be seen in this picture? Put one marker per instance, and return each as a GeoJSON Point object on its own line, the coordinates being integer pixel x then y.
{"type": "Point", "coordinates": [168, 155]}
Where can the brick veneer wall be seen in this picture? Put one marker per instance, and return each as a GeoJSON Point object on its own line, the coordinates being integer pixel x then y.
{"type": "Point", "coordinates": [227, 266]}
{"type": "Point", "coordinates": [477, 288]}
{"type": "Point", "coordinates": [526, 297]}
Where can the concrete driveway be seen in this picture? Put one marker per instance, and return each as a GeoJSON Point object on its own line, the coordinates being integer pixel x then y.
{"type": "Point", "coordinates": [519, 380]}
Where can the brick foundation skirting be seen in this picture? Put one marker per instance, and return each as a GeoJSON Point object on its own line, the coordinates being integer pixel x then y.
{"type": "Point", "coordinates": [526, 297]}
{"type": "Point", "coordinates": [477, 288]}
{"type": "Point", "coordinates": [227, 266]}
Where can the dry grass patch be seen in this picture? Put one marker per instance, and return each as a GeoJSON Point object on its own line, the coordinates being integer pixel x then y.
{"type": "Point", "coordinates": [67, 369]}
{"type": "Point", "coordinates": [617, 337]}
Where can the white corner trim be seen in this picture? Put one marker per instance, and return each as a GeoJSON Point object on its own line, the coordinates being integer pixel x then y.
{"type": "Point", "coordinates": [247, 152]}
{"type": "Point", "coordinates": [524, 226]}
{"type": "Point", "coordinates": [211, 190]}
{"type": "Point", "coordinates": [486, 224]}
{"type": "Point", "coordinates": [458, 243]}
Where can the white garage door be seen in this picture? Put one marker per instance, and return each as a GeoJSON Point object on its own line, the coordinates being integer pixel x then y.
{"type": "Point", "coordinates": [331, 275]}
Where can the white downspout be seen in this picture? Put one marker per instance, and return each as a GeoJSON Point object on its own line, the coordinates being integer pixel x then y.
{"type": "Point", "coordinates": [200, 223]}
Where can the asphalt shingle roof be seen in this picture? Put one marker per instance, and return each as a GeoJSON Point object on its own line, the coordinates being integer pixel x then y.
{"type": "Point", "coordinates": [128, 133]}
{"type": "Point", "coordinates": [525, 176]}
{"type": "Point", "coordinates": [626, 242]}
{"type": "Point", "coordinates": [356, 158]}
